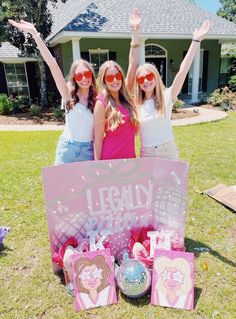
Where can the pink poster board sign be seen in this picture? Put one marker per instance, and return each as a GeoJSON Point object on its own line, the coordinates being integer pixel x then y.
{"type": "Point", "coordinates": [93, 279]}
{"type": "Point", "coordinates": [173, 279]}
{"type": "Point", "coordinates": [115, 195]}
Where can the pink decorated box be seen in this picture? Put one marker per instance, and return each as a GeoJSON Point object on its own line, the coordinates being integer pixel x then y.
{"type": "Point", "coordinates": [114, 195]}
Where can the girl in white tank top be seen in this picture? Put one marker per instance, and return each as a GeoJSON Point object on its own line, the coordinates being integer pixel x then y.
{"type": "Point", "coordinates": [76, 142]}
{"type": "Point", "coordinates": [155, 102]}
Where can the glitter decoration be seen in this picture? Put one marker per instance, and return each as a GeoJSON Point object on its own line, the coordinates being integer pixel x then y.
{"type": "Point", "coordinates": [133, 278]}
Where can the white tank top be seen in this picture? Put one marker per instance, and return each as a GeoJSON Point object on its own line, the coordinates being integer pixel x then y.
{"type": "Point", "coordinates": [79, 124]}
{"type": "Point", "coordinates": [155, 127]}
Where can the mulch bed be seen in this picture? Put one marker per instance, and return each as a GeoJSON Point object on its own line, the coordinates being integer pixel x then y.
{"type": "Point", "coordinates": [181, 114]}
{"type": "Point", "coordinates": [47, 117]}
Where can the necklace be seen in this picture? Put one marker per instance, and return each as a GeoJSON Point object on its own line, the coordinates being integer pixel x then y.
{"type": "Point", "coordinates": [83, 98]}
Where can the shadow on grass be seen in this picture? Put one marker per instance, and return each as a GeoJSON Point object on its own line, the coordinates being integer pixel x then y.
{"type": "Point", "coordinates": [139, 302]}
{"type": "Point", "coordinates": [198, 247]}
{"type": "Point", "coordinates": [145, 300]}
{"type": "Point", "coordinates": [61, 276]}
{"type": "Point", "coordinates": [197, 294]}
{"type": "Point", "coordinates": [3, 250]}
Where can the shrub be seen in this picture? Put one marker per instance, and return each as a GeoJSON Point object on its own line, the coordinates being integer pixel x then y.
{"type": "Point", "coordinates": [203, 98]}
{"type": "Point", "coordinates": [224, 106]}
{"type": "Point", "coordinates": [35, 110]}
{"type": "Point", "coordinates": [177, 105]}
{"type": "Point", "coordinates": [215, 98]}
{"type": "Point", "coordinates": [232, 83]}
{"type": "Point", "coordinates": [223, 98]}
{"type": "Point", "coordinates": [58, 113]}
{"type": "Point", "coordinates": [19, 103]}
{"type": "Point", "coordinates": [53, 99]}
{"type": "Point", "coordinates": [5, 105]}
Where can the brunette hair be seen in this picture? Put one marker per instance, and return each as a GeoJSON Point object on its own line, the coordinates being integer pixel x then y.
{"type": "Point", "coordinates": [73, 86]}
{"type": "Point", "coordinates": [100, 262]}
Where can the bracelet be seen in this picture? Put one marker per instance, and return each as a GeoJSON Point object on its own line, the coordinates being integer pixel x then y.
{"type": "Point", "coordinates": [134, 45]}
{"type": "Point", "coordinates": [196, 40]}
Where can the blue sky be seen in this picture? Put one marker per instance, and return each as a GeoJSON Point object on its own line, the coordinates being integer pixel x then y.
{"type": "Point", "coordinates": [209, 5]}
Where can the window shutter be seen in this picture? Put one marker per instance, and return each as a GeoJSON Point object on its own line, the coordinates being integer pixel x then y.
{"type": "Point", "coordinates": [112, 56]}
{"type": "Point", "coordinates": [32, 80]}
{"type": "Point", "coordinates": [3, 82]}
{"type": "Point", "coordinates": [205, 70]}
{"type": "Point", "coordinates": [85, 56]}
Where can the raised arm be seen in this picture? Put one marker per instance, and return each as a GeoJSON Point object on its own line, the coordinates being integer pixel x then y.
{"type": "Point", "coordinates": [198, 36]}
{"type": "Point", "coordinates": [48, 58]}
{"type": "Point", "coordinates": [134, 21]}
{"type": "Point", "coordinates": [99, 128]}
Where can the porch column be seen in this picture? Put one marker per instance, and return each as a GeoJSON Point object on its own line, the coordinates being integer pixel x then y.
{"type": "Point", "coordinates": [76, 49]}
{"type": "Point", "coordinates": [142, 51]}
{"type": "Point", "coordinates": [196, 73]}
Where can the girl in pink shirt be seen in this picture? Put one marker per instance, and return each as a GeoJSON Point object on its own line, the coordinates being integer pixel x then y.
{"type": "Point", "coordinates": [115, 117]}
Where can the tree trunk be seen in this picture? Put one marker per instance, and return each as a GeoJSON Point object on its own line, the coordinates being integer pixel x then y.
{"type": "Point", "coordinates": [43, 88]}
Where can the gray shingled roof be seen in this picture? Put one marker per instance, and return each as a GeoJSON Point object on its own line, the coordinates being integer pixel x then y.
{"type": "Point", "coordinates": [8, 50]}
{"type": "Point", "coordinates": [63, 13]}
{"type": "Point", "coordinates": [160, 18]}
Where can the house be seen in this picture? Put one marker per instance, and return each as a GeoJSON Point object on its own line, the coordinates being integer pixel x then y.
{"type": "Point", "coordinates": [99, 30]}
{"type": "Point", "coordinates": [228, 62]}
{"type": "Point", "coordinates": [17, 74]}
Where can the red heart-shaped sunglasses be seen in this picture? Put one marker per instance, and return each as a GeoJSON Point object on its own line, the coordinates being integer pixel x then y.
{"type": "Point", "coordinates": [79, 76]}
{"type": "Point", "coordinates": [141, 79]}
{"type": "Point", "coordinates": [111, 77]}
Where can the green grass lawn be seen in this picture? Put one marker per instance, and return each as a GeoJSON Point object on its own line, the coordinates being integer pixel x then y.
{"type": "Point", "coordinates": [29, 289]}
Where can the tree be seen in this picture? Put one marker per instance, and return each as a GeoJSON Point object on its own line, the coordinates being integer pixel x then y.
{"type": "Point", "coordinates": [228, 10]}
{"type": "Point", "coordinates": [2, 15]}
{"type": "Point", "coordinates": [33, 11]}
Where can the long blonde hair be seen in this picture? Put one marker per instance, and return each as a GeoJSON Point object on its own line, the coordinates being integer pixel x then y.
{"type": "Point", "coordinates": [180, 264]}
{"type": "Point", "coordinates": [73, 86]}
{"type": "Point", "coordinates": [113, 116]}
{"type": "Point", "coordinates": [158, 94]}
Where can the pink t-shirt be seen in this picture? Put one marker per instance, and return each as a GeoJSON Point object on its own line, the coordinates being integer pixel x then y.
{"type": "Point", "coordinates": [120, 142]}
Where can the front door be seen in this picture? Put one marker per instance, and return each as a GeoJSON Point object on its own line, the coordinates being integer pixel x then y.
{"type": "Point", "coordinates": [160, 64]}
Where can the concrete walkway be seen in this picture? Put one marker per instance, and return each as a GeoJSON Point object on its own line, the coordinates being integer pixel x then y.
{"type": "Point", "coordinates": [204, 115]}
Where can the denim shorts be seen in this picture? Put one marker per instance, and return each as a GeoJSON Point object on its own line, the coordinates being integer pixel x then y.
{"type": "Point", "coordinates": [167, 150]}
{"type": "Point", "coordinates": [69, 151]}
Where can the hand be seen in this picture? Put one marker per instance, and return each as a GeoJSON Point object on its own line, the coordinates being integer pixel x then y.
{"type": "Point", "coordinates": [198, 34]}
{"type": "Point", "coordinates": [24, 26]}
{"type": "Point", "coordinates": [135, 19]}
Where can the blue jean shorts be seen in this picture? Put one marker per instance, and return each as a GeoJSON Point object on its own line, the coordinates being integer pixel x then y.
{"type": "Point", "coordinates": [69, 151]}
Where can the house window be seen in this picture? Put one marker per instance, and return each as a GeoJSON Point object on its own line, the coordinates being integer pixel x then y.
{"type": "Point", "coordinates": [16, 77]}
{"type": "Point", "coordinates": [153, 50]}
{"type": "Point", "coordinates": [97, 58]}
{"type": "Point", "coordinates": [190, 77]}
